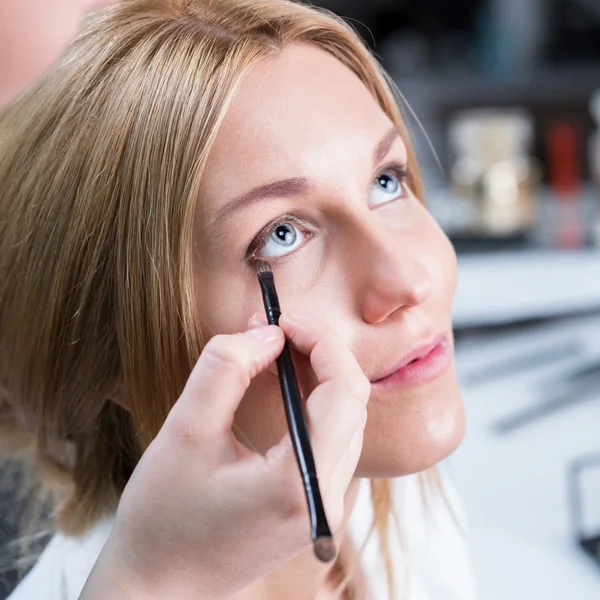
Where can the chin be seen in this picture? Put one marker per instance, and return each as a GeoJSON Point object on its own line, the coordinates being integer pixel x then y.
{"type": "Point", "coordinates": [412, 432]}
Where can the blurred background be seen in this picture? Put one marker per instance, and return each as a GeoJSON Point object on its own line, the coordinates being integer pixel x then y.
{"type": "Point", "coordinates": [503, 99]}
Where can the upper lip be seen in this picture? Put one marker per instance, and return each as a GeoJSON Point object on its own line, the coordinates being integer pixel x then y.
{"type": "Point", "coordinates": [418, 352]}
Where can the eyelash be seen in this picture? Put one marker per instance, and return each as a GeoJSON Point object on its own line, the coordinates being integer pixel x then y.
{"type": "Point", "coordinates": [260, 240]}
{"type": "Point", "coordinates": [399, 170]}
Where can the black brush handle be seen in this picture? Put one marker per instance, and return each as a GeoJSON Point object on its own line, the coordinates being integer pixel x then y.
{"type": "Point", "coordinates": [301, 443]}
{"type": "Point", "coordinates": [296, 421]}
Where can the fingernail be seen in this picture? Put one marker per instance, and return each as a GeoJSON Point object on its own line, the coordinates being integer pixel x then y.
{"type": "Point", "coordinates": [257, 320]}
{"type": "Point", "coordinates": [268, 333]}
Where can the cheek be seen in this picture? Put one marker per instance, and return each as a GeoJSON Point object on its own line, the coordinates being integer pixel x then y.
{"type": "Point", "coordinates": [412, 430]}
{"type": "Point", "coordinates": [404, 434]}
{"type": "Point", "coordinates": [441, 262]}
{"type": "Point", "coordinates": [412, 433]}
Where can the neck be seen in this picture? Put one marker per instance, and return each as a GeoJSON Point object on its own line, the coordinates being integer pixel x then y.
{"type": "Point", "coordinates": [304, 577]}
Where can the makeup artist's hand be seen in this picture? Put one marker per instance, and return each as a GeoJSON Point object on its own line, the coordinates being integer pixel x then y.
{"type": "Point", "coordinates": [33, 33]}
{"type": "Point", "coordinates": [204, 517]}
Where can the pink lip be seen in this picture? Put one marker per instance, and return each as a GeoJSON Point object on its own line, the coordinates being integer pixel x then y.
{"type": "Point", "coordinates": [420, 366]}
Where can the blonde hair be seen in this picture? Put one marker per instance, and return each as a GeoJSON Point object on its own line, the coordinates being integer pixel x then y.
{"type": "Point", "coordinates": [100, 166]}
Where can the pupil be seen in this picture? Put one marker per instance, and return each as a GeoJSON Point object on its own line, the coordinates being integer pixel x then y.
{"type": "Point", "coordinates": [285, 234]}
{"type": "Point", "coordinates": [386, 182]}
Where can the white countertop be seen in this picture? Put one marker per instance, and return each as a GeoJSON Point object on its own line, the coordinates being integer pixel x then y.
{"type": "Point", "coordinates": [514, 485]}
{"type": "Point", "coordinates": [510, 286]}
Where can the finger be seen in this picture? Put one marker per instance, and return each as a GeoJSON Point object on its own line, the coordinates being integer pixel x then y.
{"type": "Point", "coordinates": [283, 483]}
{"type": "Point", "coordinates": [306, 376]}
{"type": "Point", "coordinates": [344, 471]}
{"type": "Point", "coordinates": [307, 379]}
{"type": "Point", "coordinates": [221, 376]}
{"type": "Point", "coordinates": [334, 417]}
{"type": "Point", "coordinates": [258, 320]}
{"type": "Point", "coordinates": [336, 409]}
{"type": "Point", "coordinates": [329, 357]}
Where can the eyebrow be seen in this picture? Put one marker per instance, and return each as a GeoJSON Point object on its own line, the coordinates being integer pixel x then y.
{"type": "Point", "coordinates": [383, 147]}
{"type": "Point", "coordinates": [294, 186]}
{"type": "Point", "coordinates": [278, 189]}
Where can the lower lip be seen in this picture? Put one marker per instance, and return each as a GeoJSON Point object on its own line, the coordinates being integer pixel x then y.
{"type": "Point", "coordinates": [420, 371]}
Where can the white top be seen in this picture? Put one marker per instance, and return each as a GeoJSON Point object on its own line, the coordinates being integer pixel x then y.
{"type": "Point", "coordinates": [432, 563]}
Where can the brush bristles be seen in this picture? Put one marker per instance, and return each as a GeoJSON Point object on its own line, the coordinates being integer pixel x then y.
{"type": "Point", "coordinates": [263, 267]}
{"type": "Point", "coordinates": [324, 549]}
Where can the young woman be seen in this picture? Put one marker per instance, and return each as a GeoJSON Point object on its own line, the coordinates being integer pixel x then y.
{"type": "Point", "coordinates": [177, 143]}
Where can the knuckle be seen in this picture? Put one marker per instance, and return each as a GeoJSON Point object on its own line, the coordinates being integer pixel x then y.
{"type": "Point", "coordinates": [220, 348]}
{"type": "Point", "coordinates": [323, 354]}
{"type": "Point", "coordinates": [293, 337]}
{"type": "Point", "coordinates": [186, 431]}
{"type": "Point", "coordinates": [222, 353]}
{"type": "Point", "coordinates": [333, 357]}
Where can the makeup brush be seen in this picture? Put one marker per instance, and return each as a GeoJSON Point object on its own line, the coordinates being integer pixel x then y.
{"type": "Point", "coordinates": [323, 545]}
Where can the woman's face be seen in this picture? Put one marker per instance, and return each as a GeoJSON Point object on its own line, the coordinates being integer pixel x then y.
{"type": "Point", "coordinates": [33, 33]}
{"type": "Point", "coordinates": [307, 154]}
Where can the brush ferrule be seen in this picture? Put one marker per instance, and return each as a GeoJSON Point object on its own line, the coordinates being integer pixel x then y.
{"type": "Point", "coordinates": [270, 299]}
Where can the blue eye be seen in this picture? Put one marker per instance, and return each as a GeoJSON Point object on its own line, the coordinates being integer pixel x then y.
{"type": "Point", "coordinates": [282, 239]}
{"type": "Point", "coordinates": [387, 186]}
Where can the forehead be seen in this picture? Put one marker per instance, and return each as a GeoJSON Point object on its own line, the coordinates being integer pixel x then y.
{"type": "Point", "coordinates": [293, 113]}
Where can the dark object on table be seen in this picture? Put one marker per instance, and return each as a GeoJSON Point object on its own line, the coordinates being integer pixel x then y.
{"type": "Point", "coordinates": [24, 516]}
{"type": "Point", "coordinates": [470, 243]}
{"type": "Point", "coordinates": [589, 542]}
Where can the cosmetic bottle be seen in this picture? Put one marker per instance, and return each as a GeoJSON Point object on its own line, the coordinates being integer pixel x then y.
{"type": "Point", "coordinates": [583, 477]}
{"type": "Point", "coordinates": [594, 158]}
{"type": "Point", "coordinates": [564, 164]}
{"type": "Point", "coordinates": [494, 170]}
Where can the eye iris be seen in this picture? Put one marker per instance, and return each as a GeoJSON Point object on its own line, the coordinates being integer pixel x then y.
{"type": "Point", "coordinates": [284, 234]}
{"type": "Point", "coordinates": [388, 183]}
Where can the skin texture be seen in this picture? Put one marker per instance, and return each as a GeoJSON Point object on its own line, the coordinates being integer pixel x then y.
{"type": "Point", "coordinates": [33, 33]}
{"type": "Point", "coordinates": [204, 517]}
{"type": "Point", "coordinates": [371, 266]}
{"type": "Point", "coordinates": [383, 275]}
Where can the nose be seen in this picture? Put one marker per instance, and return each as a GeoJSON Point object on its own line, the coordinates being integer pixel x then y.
{"type": "Point", "coordinates": [389, 277]}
